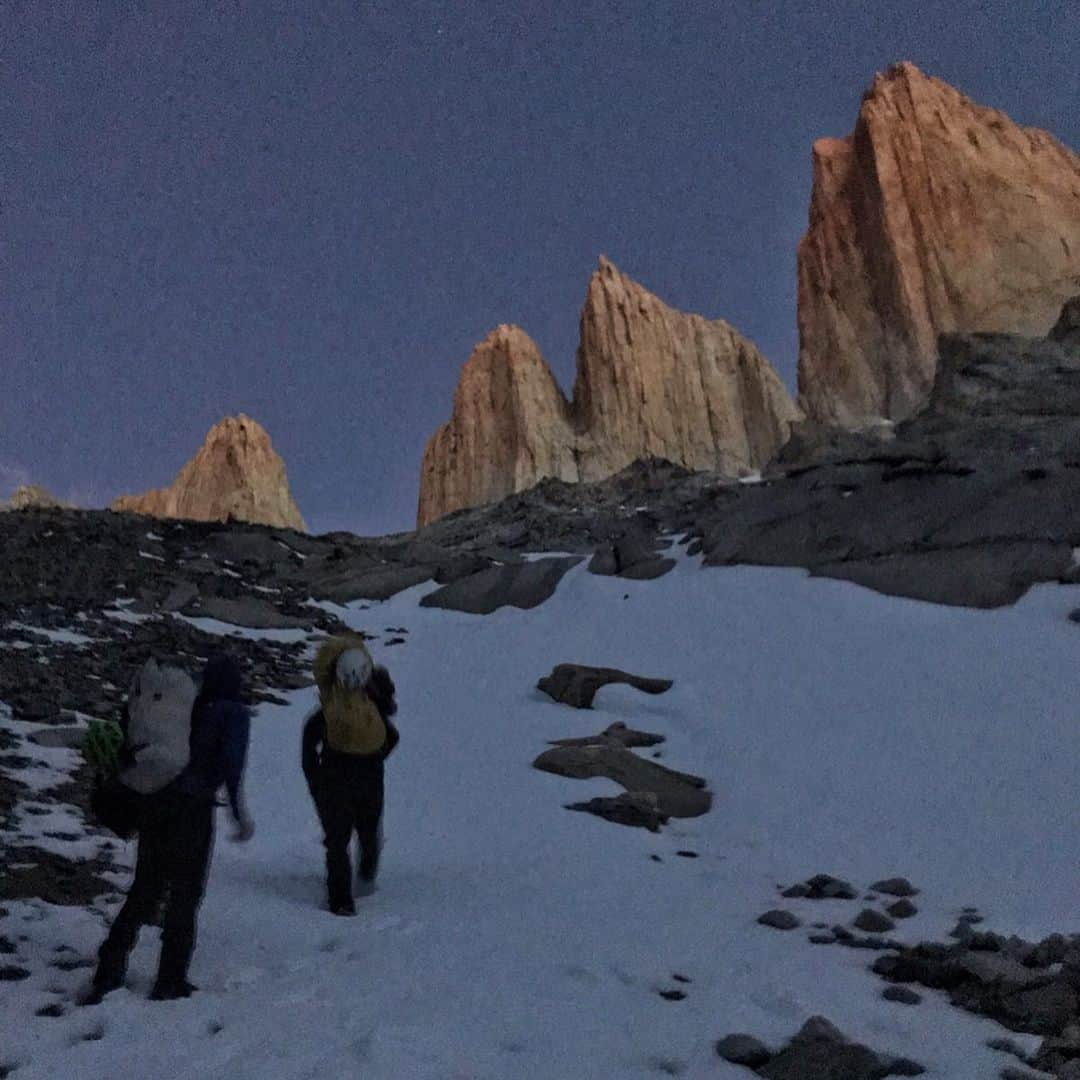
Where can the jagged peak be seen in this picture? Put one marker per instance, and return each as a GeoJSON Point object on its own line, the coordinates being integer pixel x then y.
{"type": "Point", "coordinates": [235, 473]}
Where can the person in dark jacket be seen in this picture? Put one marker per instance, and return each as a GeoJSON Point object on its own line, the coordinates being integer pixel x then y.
{"type": "Point", "coordinates": [176, 837]}
{"type": "Point", "coordinates": [347, 788]}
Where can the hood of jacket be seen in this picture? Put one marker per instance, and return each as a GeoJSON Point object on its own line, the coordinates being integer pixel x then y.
{"type": "Point", "coordinates": [222, 680]}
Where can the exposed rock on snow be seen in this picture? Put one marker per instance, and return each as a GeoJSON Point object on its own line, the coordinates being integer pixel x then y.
{"type": "Point", "coordinates": [817, 1051]}
{"type": "Point", "coordinates": [578, 684]}
{"type": "Point", "coordinates": [632, 556]}
{"type": "Point", "coordinates": [1033, 988]}
{"type": "Point", "coordinates": [743, 1050]}
{"type": "Point", "coordinates": [521, 585]}
{"type": "Point", "coordinates": [677, 794]}
{"type": "Point", "coordinates": [822, 887]}
{"type": "Point", "coordinates": [873, 922]}
{"type": "Point", "coordinates": [236, 475]}
{"type": "Point", "coordinates": [617, 734]}
{"type": "Point", "coordinates": [640, 809]}
{"type": "Point", "coordinates": [896, 886]}
{"type": "Point", "coordinates": [902, 909]}
{"type": "Point", "coordinates": [935, 216]}
{"type": "Point", "coordinates": [779, 919]}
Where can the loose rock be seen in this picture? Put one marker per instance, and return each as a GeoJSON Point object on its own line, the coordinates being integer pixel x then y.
{"type": "Point", "coordinates": [779, 919]}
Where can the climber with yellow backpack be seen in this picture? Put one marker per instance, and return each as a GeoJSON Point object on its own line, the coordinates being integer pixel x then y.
{"type": "Point", "coordinates": [345, 742]}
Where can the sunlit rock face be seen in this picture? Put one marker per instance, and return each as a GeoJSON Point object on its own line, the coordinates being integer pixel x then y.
{"type": "Point", "coordinates": [32, 497]}
{"type": "Point", "coordinates": [651, 382]}
{"type": "Point", "coordinates": [935, 215]}
{"type": "Point", "coordinates": [236, 474]}
{"type": "Point", "coordinates": [510, 426]}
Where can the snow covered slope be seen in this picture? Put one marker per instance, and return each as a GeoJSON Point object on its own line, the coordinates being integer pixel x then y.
{"type": "Point", "coordinates": [841, 731]}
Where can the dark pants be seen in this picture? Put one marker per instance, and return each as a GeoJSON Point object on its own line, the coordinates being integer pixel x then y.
{"type": "Point", "coordinates": [349, 797]}
{"type": "Point", "coordinates": [176, 836]}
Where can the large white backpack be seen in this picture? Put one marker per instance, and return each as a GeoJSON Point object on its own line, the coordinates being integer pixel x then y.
{"type": "Point", "coordinates": [159, 726]}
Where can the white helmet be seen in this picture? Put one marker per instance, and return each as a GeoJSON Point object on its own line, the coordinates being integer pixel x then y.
{"type": "Point", "coordinates": [354, 668]}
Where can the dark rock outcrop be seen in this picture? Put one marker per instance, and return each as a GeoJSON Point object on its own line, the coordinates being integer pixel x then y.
{"type": "Point", "coordinates": [677, 794]}
{"type": "Point", "coordinates": [578, 684]}
{"type": "Point", "coordinates": [818, 1051]}
{"type": "Point", "coordinates": [521, 585]}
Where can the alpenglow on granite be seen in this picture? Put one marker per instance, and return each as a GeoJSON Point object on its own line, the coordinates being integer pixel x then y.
{"type": "Point", "coordinates": [651, 382]}
{"type": "Point", "coordinates": [236, 474]}
{"type": "Point", "coordinates": [936, 215]}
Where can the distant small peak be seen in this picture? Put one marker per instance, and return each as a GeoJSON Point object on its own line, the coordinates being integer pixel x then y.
{"type": "Point", "coordinates": [903, 72]}
{"type": "Point", "coordinates": [904, 69]}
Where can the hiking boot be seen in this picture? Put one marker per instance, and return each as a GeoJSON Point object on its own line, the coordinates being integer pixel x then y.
{"type": "Point", "coordinates": [97, 990]}
{"type": "Point", "coordinates": [345, 907]}
{"type": "Point", "coordinates": [172, 989]}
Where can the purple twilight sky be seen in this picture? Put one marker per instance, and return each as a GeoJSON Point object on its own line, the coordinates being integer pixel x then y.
{"type": "Point", "coordinates": [311, 211]}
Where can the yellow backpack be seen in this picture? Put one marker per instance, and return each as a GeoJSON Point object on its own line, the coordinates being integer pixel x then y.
{"type": "Point", "coordinates": [353, 724]}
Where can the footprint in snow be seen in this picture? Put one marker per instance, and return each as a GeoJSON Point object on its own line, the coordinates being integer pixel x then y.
{"type": "Point", "coordinates": [94, 1034]}
{"type": "Point", "coordinates": [667, 1066]}
{"type": "Point", "coordinates": [582, 975]}
{"type": "Point", "coordinates": [244, 978]}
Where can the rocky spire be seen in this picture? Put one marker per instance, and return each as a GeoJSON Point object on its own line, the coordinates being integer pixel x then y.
{"type": "Point", "coordinates": [936, 215]}
{"type": "Point", "coordinates": [655, 382]}
{"type": "Point", "coordinates": [651, 382]}
{"type": "Point", "coordinates": [33, 497]}
{"type": "Point", "coordinates": [236, 474]}
{"type": "Point", "coordinates": [510, 427]}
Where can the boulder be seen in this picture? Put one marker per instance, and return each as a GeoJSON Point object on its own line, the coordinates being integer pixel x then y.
{"type": "Point", "coordinates": [521, 585]}
{"type": "Point", "coordinates": [248, 611]}
{"type": "Point", "coordinates": [630, 556]}
{"type": "Point", "coordinates": [635, 808]}
{"type": "Point", "coordinates": [743, 1050]}
{"type": "Point", "coordinates": [896, 886]}
{"type": "Point", "coordinates": [778, 919]}
{"type": "Point", "coordinates": [372, 582]}
{"type": "Point", "coordinates": [578, 684]}
{"type": "Point", "coordinates": [617, 734]}
{"type": "Point", "coordinates": [820, 1051]}
{"type": "Point", "coordinates": [678, 794]}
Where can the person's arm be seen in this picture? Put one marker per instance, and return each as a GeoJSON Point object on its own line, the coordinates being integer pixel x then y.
{"type": "Point", "coordinates": [234, 753]}
{"type": "Point", "coordinates": [381, 690]}
{"type": "Point", "coordinates": [392, 738]}
{"type": "Point", "coordinates": [311, 744]}
{"type": "Point", "coordinates": [125, 758]}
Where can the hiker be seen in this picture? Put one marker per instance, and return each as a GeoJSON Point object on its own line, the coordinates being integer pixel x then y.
{"type": "Point", "coordinates": [182, 747]}
{"type": "Point", "coordinates": [345, 742]}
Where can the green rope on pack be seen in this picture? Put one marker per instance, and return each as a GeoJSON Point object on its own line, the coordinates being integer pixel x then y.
{"type": "Point", "coordinates": [101, 745]}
